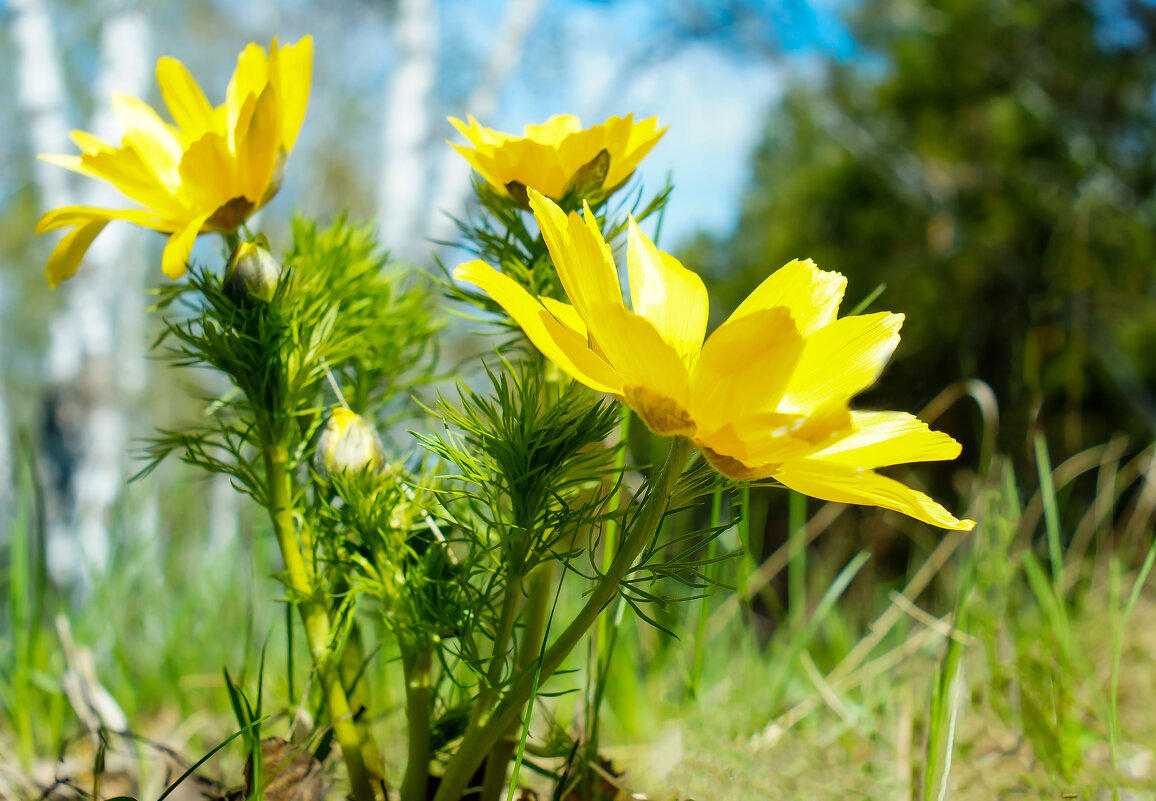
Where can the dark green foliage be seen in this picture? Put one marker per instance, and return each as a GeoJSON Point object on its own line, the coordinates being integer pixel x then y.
{"type": "Point", "coordinates": [993, 163]}
{"type": "Point", "coordinates": [529, 462]}
{"type": "Point", "coordinates": [682, 556]}
{"type": "Point", "coordinates": [385, 329]}
{"type": "Point", "coordinates": [338, 307]}
{"type": "Point", "coordinates": [380, 540]}
{"type": "Point", "coordinates": [506, 238]}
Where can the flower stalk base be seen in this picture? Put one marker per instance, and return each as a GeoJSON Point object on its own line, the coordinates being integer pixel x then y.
{"type": "Point", "coordinates": [316, 622]}
{"type": "Point", "coordinates": [479, 742]}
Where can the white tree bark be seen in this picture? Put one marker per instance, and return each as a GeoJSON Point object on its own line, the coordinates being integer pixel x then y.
{"type": "Point", "coordinates": [453, 185]}
{"type": "Point", "coordinates": [95, 359]}
{"type": "Point", "coordinates": [41, 101]}
{"type": "Point", "coordinates": [402, 197]}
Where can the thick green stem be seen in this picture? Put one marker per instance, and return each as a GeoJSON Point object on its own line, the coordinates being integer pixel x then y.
{"type": "Point", "coordinates": [350, 667]}
{"type": "Point", "coordinates": [299, 580]}
{"type": "Point", "coordinates": [530, 648]}
{"type": "Point", "coordinates": [416, 664]}
{"type": "Point", "coordinates": [610, 540]}
{"type": "Point", "coordinates": [476, 744]}
{"type": "Point", "coordinates": [494, 776]}
{"type": "Point", "coordinates": [502, 635]}
{"type": "Point", "coordinates": [606, 633]}
{"type": "Point", "coordinates": [704, 604]}
{"type": "Point", "coordinates": [506, 619]}
{"type": "Point", "coordinates": [541, 582]}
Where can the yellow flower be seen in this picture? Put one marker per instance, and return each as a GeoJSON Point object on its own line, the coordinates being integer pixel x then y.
{"type": "Point", "coordinates": [208, 172]}
{"type": "Point", "coordinates": [550, 156]}
{"type": "Point", "coordinates": [765, 396]}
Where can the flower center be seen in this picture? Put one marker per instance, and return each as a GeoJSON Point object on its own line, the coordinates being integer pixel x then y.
{"type": "Point", "coordinates": [230, 216]}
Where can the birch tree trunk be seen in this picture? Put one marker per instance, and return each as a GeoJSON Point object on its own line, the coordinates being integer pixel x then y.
{"type": "Point", "coordinates": [40, 99]}
{"type": "Point", "coordinates": [95, 365]}
{"type": "Point", "coordinates": [402, 189]}
{"type": "Point", "coordinates": [453, 185]}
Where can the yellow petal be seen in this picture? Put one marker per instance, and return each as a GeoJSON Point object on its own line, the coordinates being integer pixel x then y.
{"type": "Point", "coordinates": [249, 79]}
{"type": "Point", "coordinates": [154, 139]}
{"type": "Point", "coordinates": [547, 157]}
{"type": "Point", "coordinates": [89, 143]}
{"type": "Point", "coordinates": [812, 295]}
{"type": "Point", "coordinates": [641, 138]}
{"type": "Point", "coordinates": [744, 367]}
{"type": "Point", "coordinates": [240, 126]}
{"type": "Point", "coordinates": [728, 448]}
{"type": "Point", "coordinates": [175, 260]}
{"type": "Point", "coordinates": [554, 130]}
{"type": "Point", "coordinates": [657, 384]}
{"type": "Point", "coordinates": [292, 82]}
{"type": "Point", "coordinates": [580, 147]}
{"type": "Point", "coordinates": [125, 169]}
{"type": "Point", "coordinates": [208, 173]}
{"type": "Point", "coordinates": [465, 130]}
{"type": "Point", "coordinates": [74, 163]}
{"type": "Point", "coordinates": [885, 438]}
{"type": "Point", "coordinates": [531, 164]}
{"type": "Point", "coordinates": [663, 291]}
{"type": "Point", "coordinates": [558, 343]}
{"type": "Point", "coordinates": [80, 215]}
{"type": "Point", "coordinates": [566, 314]}
{"type": "Point", "coordinates": [841, 360]}
{"type": "Point", "coordinates": [769, 439]}
{"type": "Point", "coordinates": [67, 254]}
{"type": "Point", "coordinates": [479, 136]}
{"type": "Point", "coordinates": [841, 484]}
{"type": "Point", "coordinates": [257, 151]}
{"type": "Point", "coordinates": [482, 166]}
{"type": "Point", "coordinates": [581, 256]}
{"type": "Point", "coordinates": [187, 103]}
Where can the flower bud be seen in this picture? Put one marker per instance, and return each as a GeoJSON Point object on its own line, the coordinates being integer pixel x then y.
{"type": "Point", "coordinates": [348, 443]}
{"type": "Point", "coordinates": [252, 272]}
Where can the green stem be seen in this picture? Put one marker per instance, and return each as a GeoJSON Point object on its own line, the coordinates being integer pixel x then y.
{"type": "Point", "coordinates": [750, 561]}
{"type": "Point", "coordinates": [476, 744]}
{"type": "Point", "coordinates": [299, 580]}
{"type": "Point", "coordinates": [502, 637]}
{"type": "Point", "coordinates": [494, 776]}
{"type": "Point", "coordinates": [797, 559]}
{"type": "Point", "coordinates": [616, 499]}
{"type": "Point", "coordinates": [704, 602]}
{"type": "Point", "coordinates": [232, 240]}
{"type": "Point", "coordinates": [489, 693]}
{"type": "Point", "coordinates": [606, 632]}
{"type": "Point", "coordinates": [541, 582]}
{"type": "Point", "coordinates": [416, 665]}
{"type": "Point", "coordinates": [610, 542]}
{"type": "Point", "coordinates": [350, 668]}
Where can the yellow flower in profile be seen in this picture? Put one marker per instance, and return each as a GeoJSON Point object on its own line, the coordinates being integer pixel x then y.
{"type": "Point", "coordinates": [765, 396]}
{"type": "Point", "coordinates": [559, 155]}
{"type": "Point", "coordinates": [206, 173]}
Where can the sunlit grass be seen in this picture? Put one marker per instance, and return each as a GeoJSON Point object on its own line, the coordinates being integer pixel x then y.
{"type": "Point", "coordinates": [1014, 660]}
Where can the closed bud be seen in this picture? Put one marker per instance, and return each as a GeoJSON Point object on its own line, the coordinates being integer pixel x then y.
{"type": "Point", "coordinates": [252, 272]}
{"type": "Point", "coordinates": [348, 443]}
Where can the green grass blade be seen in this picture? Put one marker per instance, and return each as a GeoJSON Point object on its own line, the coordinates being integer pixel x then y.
{"type": "Point", "coordinates": [192, 769]}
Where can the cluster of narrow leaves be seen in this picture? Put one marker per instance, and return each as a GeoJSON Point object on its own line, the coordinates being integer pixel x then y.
{"type": "Point", "coordinates": [336, 313]}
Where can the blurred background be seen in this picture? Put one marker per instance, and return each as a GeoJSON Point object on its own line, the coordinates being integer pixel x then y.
{"type": "Point", "coordinates": [988, 164]}
{"type": "Point", "coordinates": [386, 76]}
